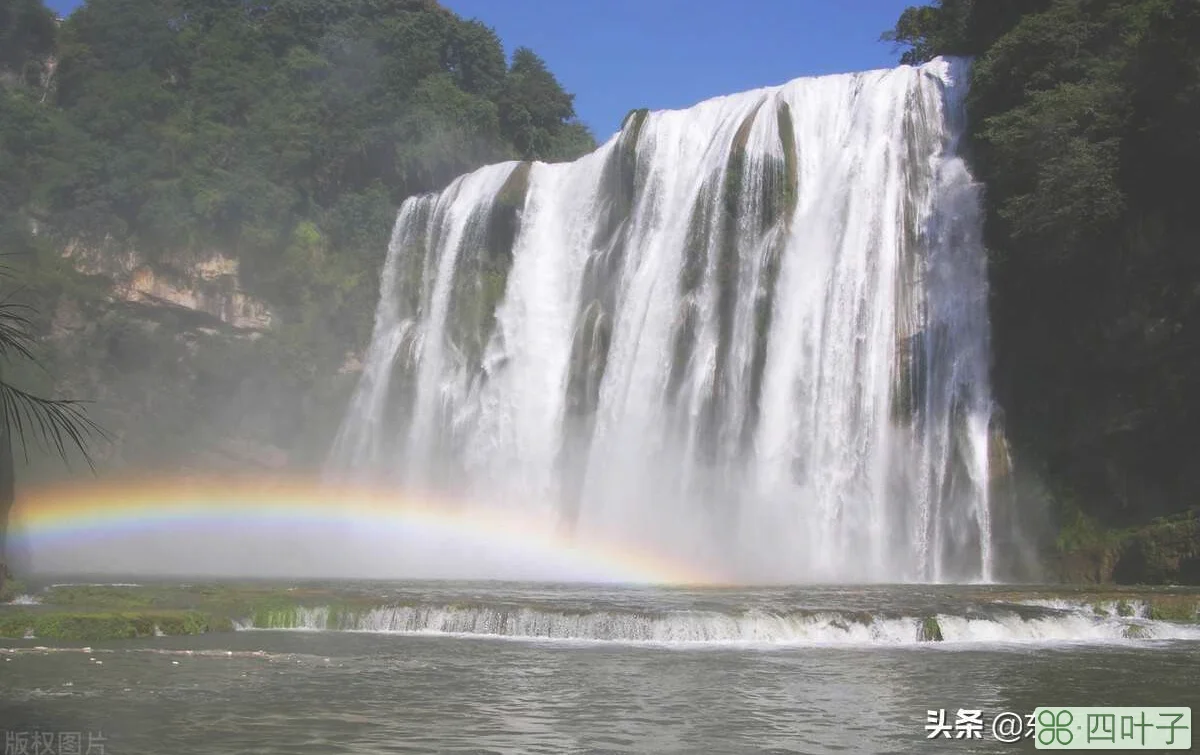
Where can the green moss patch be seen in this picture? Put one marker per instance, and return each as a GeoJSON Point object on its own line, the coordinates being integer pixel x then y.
{"type": "Point", "coordinates": [1160, 604]}
{"type": "Point", "coordinates": [11, 588]}
{"type": "Point", "coordinates": [93, 613]}
{"type": "Point", "coordinates": [1136, 632]}
{"type": "Point", "coordinates": [115, 597]}
{"type": "Point", "coordinates": [97, 626]}
{"type": "Point", "coordinates": [929, 630]}
{"type": "Point", "coordinates": [1165, 551]}
{"type": "Point", "coordinates": [1175, 610]}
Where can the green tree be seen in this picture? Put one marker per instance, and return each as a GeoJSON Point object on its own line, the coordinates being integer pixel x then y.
{"type": "Point", "coordinates": [956, 27]}
{"type": "Point", "coordinates": [534, 108]}
{"type": "Point", "coordinates": [27, 39]}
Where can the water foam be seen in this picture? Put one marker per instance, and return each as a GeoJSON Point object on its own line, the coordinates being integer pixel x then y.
{"type": "Point", "coordinates": [689, 627]}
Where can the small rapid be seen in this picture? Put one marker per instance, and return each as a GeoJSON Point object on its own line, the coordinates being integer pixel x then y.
{"type": "Point", "coordinates": [994, 624]}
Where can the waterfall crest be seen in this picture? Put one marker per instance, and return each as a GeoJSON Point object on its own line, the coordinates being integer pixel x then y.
{"type": "Point", "coordinates": [753, 332]}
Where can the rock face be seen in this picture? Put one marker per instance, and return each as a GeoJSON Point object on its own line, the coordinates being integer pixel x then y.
{"type": "Point", "coordinates": [169, 352]}
{"type": "Point", "coordinates": [207, 284]}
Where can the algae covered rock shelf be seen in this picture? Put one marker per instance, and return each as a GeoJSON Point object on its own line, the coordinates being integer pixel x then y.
{"type": "Point", "coordinates": [91, 613]}
{"type": "Point", "coordinates": [953, 614]}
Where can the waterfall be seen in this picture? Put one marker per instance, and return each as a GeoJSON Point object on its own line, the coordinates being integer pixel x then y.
{"type": "Point", "coordinates": [753, 333]}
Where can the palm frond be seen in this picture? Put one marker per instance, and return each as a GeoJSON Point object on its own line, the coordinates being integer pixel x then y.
{"type": "Point", "coordinates": [58, 424]}
{"type": "Point", "coordinates": [15, 328]}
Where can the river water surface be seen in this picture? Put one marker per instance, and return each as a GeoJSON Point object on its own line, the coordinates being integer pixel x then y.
{"type": "Point", "coordinates": [507, 668]}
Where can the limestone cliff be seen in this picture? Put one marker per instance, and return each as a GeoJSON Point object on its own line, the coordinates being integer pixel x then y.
{"type": "Point", "coordinates": [208, 284]}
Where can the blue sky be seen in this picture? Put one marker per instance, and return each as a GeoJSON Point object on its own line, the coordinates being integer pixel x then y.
{"type": "Point", "coordinates": [615, 55]}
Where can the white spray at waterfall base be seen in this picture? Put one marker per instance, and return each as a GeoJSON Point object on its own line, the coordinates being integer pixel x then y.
{"type": "Point", "coordinates": [751, 333]}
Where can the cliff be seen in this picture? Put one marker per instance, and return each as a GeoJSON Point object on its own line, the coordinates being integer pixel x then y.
{"type": "Point", "coordinates": [206, 284]}
{"type": "Point", "coordinates": [185, 369]}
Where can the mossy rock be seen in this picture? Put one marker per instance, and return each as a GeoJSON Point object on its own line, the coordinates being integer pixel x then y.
{"type": "Point", "coordinates": [727, 275]}
{"type": "Point", "coordinates": [276, 618]}
{"type": "Point", "coordinates": [845, 620]}
{"type": "Point", "coordinates": [779, 191]}
{"type": "Point", "coordinates": [345, 617]}
{"type": "Point", "coordinates": [791, 160]}
{"type": "Point", "coordinates": [597, 305]}
{"type": "Point", "coordinates": [505, 219]}
{"type": "Point", "coordinates": [618, 182]}
{"type": "Point", "coordinates": [865, 618]}
{"type": "Point", "coordinates": [103, 596]}
{"type": "Point", "coordinates": [1135, 632]}
{"type": "Point", "coordinates": [516, 186]}
{"type": "Point", "coordinates": [637, 117]}
{"type": "Point", "coordinates": [732, 189]}
{"type": "Point", "coordinates": [341, 615]}
{"type": "Point", "coordinates": [481, 277]}
{"type": "Point", "coordinates": [10, 588]}
{"type": "Point", "coordinates": [95, 627]}
{"type": "Point", "coordinates": [1173, 611]}
{"type": "Point", "coordinates": [1161, 604]}
{"type": "Point", "coordinates": [15, 625]}
{"type": "Point", "coordinates": [631, 134]}
{"type": "Point", "coordinates": [910, 369]}
{"type": "Point", "coordinates": [589, 358]}
{"type": "Point", "coordinates": [929, 630]}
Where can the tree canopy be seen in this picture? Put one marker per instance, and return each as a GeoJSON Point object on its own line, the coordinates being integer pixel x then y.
{"type": "Point", "coordinates": [179, 125]}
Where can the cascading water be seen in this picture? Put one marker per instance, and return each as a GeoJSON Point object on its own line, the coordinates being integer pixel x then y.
{"type": "Point", "coordinates": [751, 333]}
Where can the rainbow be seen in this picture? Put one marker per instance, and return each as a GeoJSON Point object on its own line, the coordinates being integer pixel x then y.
{"type": "Point", "coordinates": [66, 518]}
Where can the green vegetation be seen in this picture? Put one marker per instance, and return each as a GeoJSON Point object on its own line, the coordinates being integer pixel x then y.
{"type": "Point", "coordinates": [1082, 126]}
{"type": "Point", "coordinates": [100, 612]}
{"type": "Point", "coordinates": [282, 136]}
{"type": "Point", "coordinates": [92, 627]}
{"type": "Point", "coordinates": [930, 630]}
{"type": "Point", "coordinates": [1136, 632]}
{"type": "Point", "coordinates": [10, 589]}
{"type": "Point", "coordinates": [843, 622]}
{"type": "Point", "coordinates": [1175, 611]}
{"type": "Point", "coordinates": [1160, 604]}
{"type": "Point", "coordinates": [228, 599]}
